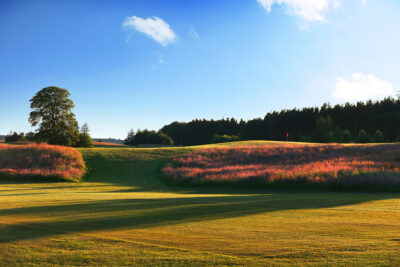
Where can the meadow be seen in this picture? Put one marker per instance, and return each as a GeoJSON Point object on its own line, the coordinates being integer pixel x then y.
{"type": "Point", "coordinates": [330, 166]}
{"type": "Point", "coordinates": [122, 213]}
{"type": "Point", "coordinates": [41, 161]}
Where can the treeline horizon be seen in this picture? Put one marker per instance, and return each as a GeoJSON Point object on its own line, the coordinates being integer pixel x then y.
{"type": "Point", "coordinates": [363, 122]}
{"type": "Point", "coordinates": [370, 118]}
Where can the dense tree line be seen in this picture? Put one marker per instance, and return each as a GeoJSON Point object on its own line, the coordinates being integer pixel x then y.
{"type": "Point", "coordinates": [147, 137]}
{"type": "Point", "coordinates": [364, 121]}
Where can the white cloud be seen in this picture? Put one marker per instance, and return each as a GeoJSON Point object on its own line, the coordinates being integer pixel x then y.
{"type": "Point", "coordinates": [154, 27]}
{"type": "Point", "coordinates": [309, 10]}
{"type": "Point", "coordinates": [361, 87]}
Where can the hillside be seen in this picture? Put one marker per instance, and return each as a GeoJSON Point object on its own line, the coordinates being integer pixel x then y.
{"type": "Point", "coordinates": [122, 214]}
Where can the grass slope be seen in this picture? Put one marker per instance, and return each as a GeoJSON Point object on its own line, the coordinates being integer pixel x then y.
{"type": "Point", "coordinates": [124, 215]}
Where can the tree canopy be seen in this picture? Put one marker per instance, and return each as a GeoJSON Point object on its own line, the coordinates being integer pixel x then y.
{"type": "Point", "coordinates": [52, 112]}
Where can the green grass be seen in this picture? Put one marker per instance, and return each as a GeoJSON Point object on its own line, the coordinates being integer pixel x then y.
{"type": "Point", "coordinates": [122, 214]}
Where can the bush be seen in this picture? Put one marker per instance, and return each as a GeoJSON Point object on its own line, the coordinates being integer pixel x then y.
{"type": "Point", "coordinates": [15, 137]}
{"type": "Point", "coordinates": [379, 138]}
{"type": "Point", "coordinates": [147, 137]}
{"type": "Point", "coordinates": [346, 138]}
{"type": "Point", "coordinates": [363, 137]}
{"type": "Point", "coordinates": [224, 138]}
{"type": "Point", "coordinates": [41, 161]}
{"type": "Point", "coordinates": [323, 130]}
{"type": "Point", "coordinates": [85, 140]}
{"type": "Point", "coordinates": [337, 135]}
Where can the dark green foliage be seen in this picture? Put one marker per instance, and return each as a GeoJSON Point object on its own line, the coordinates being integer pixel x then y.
{"type": "Point", "coordinates": [379, 138]}
{"type": "Point", "coordinates": [199, 132]}
{"type": "Point", "coordinates": [15, 137]}
{"type": "Point", "coordinates": [323, 130]}
{"type": "Point", "coordinates": [346, 138]}
{"type": "Point", "coordinates": [370, 116]}
{"type": "Point", "coordinates": [85, 140]}
{"type": "Point", "coordinates": [147, 137]}
{"type": "Point", "coordinates": [363, 137]}
{"type": "Point", "coordinates": [30, 136]}
{"type": "Point", "coordinates": [130, 139]}
{"type": "Point", "coordinates": [337, 135]}
{"type": "Point", "coordinates": [224, 138]}
{"type": "Point", "coordinates": [84, 137]}
{"type": "Point", "coordinates": [52, 111]}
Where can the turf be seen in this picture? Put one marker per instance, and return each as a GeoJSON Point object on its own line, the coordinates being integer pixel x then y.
{"type": "Point", "coordinates": [123, 214]}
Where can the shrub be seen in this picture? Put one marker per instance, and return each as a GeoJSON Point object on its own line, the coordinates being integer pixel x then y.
{"type": "Point", "coordinates": [224, 138]}
{"type": "Point", "coordinates": [379, 138]}
{"type": "Point", "coordinates": [346, 138]}
{"type": "Point", "coordinates": [85, 140]}
{"type": "Point", "coordinates": [363, 137]}
{"type": "Point", "coordinates": [41, 161]}
{"type": "Point", "coordinates": [147, 137]}
{"type": "Point", "coordinates": [337, 135]}
{"type": "Point", "coordinates": [323, 130]}
{"type": "Point", "coordinates": [15, 137]}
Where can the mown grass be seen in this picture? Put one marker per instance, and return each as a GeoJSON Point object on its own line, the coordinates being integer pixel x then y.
{"type": "Point", "coordinates": [122, 214]}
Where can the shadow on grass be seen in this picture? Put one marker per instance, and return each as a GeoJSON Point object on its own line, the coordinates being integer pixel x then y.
{"type": "Point", "coordinates": [144, 213]}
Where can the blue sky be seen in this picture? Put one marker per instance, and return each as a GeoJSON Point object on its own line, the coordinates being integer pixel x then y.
{"type": "Point", "coordinates": [144, 64]}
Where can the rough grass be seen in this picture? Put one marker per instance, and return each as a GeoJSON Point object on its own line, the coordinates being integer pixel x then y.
{"type": "Point", "coordinates": [123, 215]}
{"type": "Point", "coordinates": [105, 144]}
{"type": "Point", "coordinates": [366, 167]}
{"type": "Point", "coordinates": [41, 161]}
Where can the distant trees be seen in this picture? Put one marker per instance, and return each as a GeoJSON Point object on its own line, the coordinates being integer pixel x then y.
{"type": "Point", "coordinates": [301, 124]}
{"type": "Point", "coordinates": [15, 137]}
{"type": "Point", "coordinates": [323, 130]}
{"type": "Point", "coordinates": [52, 112]}
{"type": "Point", "coordinates": [130, 139]}
{"type": "Point", "coordinates": [363, 137]}
{"type": "Point", "coordinates": [84, 137]}
{"type": "Point", "coordinates": [147, 137]}
{"type": "Point", "coordinates": [217, 138]}
{"type": "Point", "coordinates": [378, 137]}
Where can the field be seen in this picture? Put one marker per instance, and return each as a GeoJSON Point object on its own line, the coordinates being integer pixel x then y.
{"type": "Point", "coordinates": [123, 214]}
{"type": "Point", "coordinates": [41, 161]}
{"type": "Point", "coordinates": [105, 144]}
{"type": "Point", "coordinates": [321, 166]}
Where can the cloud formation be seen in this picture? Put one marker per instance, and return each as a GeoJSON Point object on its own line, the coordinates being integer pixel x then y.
{"type": "Point", "coordinates": [154, 27]}
{"type": "Point", "coordinates": [361, 87]}
{"type": "Point", "coordinates": [309, 10]}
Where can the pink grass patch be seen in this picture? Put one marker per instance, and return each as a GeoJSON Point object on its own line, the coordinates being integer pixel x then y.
{"type": "Point", "coordinates": [41, 160]}
{"type": "Point", "coordinates": [306, 164]}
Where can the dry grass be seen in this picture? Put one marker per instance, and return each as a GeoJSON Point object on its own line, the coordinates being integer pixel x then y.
{"type": "Point", "coordinates": [41, 161]}
{"type": "Point", "coordinates": [374, 167]}
{"type": "Point", "coordinates": [105, 144]}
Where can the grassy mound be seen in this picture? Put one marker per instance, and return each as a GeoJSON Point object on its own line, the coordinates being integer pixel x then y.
{"type": "Point", "coordinates": [41, 161]}
{"type": "Point", "coordinates": [365, 167]}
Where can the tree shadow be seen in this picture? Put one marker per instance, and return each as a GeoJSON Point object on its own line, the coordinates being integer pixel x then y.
{"type": "Point", "coordinates": [136, 213]}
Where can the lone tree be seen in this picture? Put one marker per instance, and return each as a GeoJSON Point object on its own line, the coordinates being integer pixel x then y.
{"type": "Point", "coordinates": [84, 138]}
{"type": "Point", "coordinates": [52, 111]}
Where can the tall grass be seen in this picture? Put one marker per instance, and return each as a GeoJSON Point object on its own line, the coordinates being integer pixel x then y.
{"type": "Point", "coordinates": [374, 167]}
{"type": "Point", "coordinates": [41, 161]}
